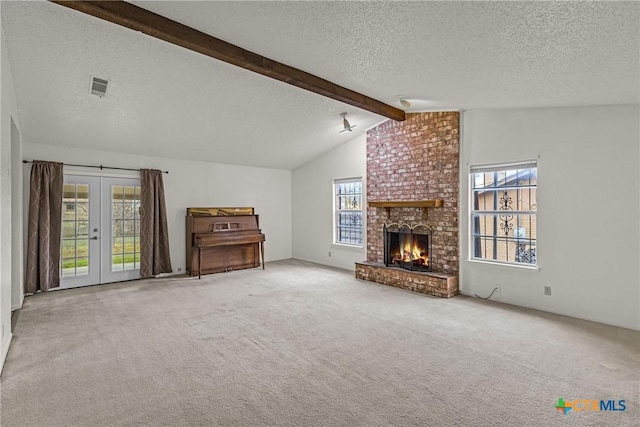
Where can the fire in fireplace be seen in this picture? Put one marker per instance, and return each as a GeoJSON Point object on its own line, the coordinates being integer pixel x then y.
{"type": "Point", "coordinates": [407, 246]}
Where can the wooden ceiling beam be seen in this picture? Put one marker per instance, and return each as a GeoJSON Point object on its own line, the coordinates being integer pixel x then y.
{"type": "Point", "coordinates": [144, 21]}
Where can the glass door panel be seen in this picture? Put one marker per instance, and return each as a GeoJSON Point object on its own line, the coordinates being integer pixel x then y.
{"type": "Point", "coordinates": [122, 195]}
{"type": "Point", "coordinates": [80, 251]}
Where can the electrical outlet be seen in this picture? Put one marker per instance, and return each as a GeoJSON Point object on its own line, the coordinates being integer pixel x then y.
{"type": "Point", "coordinates": [547, 290]}
{"type": "Point", "coordinates": [329, 254]}
{"type": "Point", "coordinates": [179, 269]}
{"type": "Point", "coordinates": [499, 289]}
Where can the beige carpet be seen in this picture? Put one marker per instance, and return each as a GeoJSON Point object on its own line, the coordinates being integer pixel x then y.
{"type": "Point", "coordinates": [302, 345]}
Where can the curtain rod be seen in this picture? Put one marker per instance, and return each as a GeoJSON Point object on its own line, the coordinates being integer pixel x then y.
{"type": "Point", "coordinates": [97, 167]}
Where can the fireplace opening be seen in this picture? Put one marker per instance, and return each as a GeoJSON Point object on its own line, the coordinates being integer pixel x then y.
{"type": "Point", "coordinates": [407, 247]}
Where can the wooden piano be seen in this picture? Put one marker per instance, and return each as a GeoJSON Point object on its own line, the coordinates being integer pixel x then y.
{"type": "Point", "coordinates": [223, 239]}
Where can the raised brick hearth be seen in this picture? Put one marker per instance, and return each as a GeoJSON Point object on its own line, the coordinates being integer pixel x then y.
{"type": "Point", "coordinates": [436, 284]}
{"type": "Point", "coordinates": [417, 159]}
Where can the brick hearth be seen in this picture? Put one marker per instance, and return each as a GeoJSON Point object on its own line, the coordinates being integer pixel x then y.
{"type": "Point", "coordinates": [436, 284]}
{"type": "Point", "coordinates": [417, 159]}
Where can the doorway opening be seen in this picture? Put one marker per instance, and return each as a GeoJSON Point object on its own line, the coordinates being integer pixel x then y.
{"type": "Point", "coordinates": [100, 230]}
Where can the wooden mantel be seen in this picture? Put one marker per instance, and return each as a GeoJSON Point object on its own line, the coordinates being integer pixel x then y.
{"type": "Point", "coordinates": [424, 204]}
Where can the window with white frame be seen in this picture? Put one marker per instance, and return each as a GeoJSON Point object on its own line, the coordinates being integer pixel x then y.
{"type": "Point", "coordinates": [503, 212]}
{"type": "Point", "coordinates": [347, 219]}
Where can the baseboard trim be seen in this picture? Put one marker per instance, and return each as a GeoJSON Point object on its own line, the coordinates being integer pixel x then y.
{"type": "Point", "coordinates": [324, 264]}
{"type": "Point", "coordinates": [572, 315]}
{"type": "Point", "coordinates": [14, 308]}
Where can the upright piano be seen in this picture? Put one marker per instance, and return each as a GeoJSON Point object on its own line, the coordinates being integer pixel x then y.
{"type": "Point", "coordinates": [223, 239]}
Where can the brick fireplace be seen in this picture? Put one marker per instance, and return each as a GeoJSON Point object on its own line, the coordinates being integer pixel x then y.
{"type": "Point", "coordinates": [412, 181]}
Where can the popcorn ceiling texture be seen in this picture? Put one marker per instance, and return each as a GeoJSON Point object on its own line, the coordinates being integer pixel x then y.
{"type": "Point", "coordinates": [417, 159]}
{"type": "Point", "coordinates": [442, 55]}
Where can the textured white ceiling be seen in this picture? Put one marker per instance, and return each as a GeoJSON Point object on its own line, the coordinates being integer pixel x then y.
{"type": "Point", "coordinates": [166, 101]}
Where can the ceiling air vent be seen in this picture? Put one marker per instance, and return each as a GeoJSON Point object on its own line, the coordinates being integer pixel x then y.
{"type": "Point", "coordinates": [99, 86]}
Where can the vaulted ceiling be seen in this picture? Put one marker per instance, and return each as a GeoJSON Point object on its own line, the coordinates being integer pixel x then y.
{"type": "Point", "coordinates": [167, 101]}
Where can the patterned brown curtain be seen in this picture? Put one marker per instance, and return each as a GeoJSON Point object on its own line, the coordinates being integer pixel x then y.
{"type": "Point", "coordinates": [44, 229]}
{"type": "Point", "coordinates": [154, 237]}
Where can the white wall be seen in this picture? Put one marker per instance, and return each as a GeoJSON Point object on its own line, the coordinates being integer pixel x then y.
{"type": "Point", "coordinates": [313, 202]}
{"type": "Point", "coordinates": [8, 110]}
{"type": "Point", "coordinates": [588, 209]}
{"type": "Point", "coordinates": [17, 235]}
{"type": "Point", "coordinates": [197, 184]}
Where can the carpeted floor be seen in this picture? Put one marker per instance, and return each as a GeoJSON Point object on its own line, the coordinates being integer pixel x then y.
{"type": "Point", "coordinates": [303, 345]}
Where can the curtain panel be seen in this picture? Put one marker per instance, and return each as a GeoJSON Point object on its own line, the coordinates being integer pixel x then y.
{"type": "Point", "coordinates": [154, 236]}
{"type": "Point", "coordinates": [44, 228]}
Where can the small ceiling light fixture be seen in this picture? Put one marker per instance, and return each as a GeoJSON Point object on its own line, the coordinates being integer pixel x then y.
{"type": "Point", "coordinates": [347, 127]}
{"type": "Point", "coordinates": [404, 102]}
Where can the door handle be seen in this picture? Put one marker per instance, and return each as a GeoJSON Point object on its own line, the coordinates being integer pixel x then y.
{"type": "Point", "coordinates": [94, 238]}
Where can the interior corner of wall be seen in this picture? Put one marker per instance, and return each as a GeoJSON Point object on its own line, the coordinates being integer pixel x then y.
{"type": "Point", "coordinates": [20, 303]}
{"type": "Point", "coordinates": [5, 350]}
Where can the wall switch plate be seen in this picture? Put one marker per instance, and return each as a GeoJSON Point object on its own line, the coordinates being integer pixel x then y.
{"type": "Point", "coordinates": [547, 290]}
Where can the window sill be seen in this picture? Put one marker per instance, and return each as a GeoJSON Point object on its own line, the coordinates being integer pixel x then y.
{"type": "Point", "coordinates": [345, 245]}
{"type": "Point", "coordinates": [505, 264]}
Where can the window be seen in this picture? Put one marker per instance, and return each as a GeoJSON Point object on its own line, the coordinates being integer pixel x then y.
{"type": "Point", "coordinates": [348, 211]}
{"type": "Point", "coordinates": [503, 213]}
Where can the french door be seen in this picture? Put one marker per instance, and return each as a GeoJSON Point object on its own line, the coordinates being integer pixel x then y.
{"type": "Point", "coordinates": [100, 230]}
